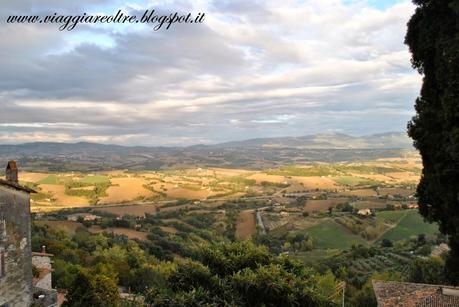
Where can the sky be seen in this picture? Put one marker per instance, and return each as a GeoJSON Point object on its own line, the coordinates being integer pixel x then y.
{"type": "Point", "coordinates": [252, 69]}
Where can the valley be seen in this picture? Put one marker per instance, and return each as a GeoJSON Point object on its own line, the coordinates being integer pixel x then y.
{"type": "Point", "coordinates": [304, 209]}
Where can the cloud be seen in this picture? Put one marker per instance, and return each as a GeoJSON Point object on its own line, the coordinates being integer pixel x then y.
{"type": "Point", "coordinates": [253, 69]}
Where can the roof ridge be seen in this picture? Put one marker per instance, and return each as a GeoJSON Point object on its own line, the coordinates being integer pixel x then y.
{"type": "Point", "coordinates": [16, 186]}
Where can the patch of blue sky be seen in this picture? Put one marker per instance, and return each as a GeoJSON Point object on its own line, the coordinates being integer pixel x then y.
{"type": "Point", "coordinates": [85, 37]}
{"type": "Point", "coordinates": [378, 4]}
{"type": "Point", "coordinates": [77, 38]}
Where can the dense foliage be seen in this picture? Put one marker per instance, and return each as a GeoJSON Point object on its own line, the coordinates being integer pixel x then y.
{"type": "Point", "coordinates": [433, 39]}
{"type": "Point", "coordinates": [91, 267]}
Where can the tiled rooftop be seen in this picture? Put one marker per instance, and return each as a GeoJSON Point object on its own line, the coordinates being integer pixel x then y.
{"type": "Point", "coordinates": [392, 294]}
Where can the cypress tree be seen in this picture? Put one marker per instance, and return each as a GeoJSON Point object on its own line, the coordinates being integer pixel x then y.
{"type": "Point", "coordinates": [433, 39]}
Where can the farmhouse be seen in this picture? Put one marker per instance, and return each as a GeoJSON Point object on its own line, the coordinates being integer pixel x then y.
{"type": "Point", "coordinates": [85, 216]}
{"type": "Point", "coordinates": [364, 212]}
{"type": "Point", "coordinates": [398, 294]}
{"type": "Point", "coordinates": [413, 206]}
{"type": "Point", "coordinates": [16, 288]}
{"type": "Point", "coordinates": [440, 249]}
{"type": "Point", "coordinates": [278, 207]}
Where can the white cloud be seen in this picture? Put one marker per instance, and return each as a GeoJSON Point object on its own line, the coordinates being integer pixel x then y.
{"type": "Point", "coordinates": [254, 69]}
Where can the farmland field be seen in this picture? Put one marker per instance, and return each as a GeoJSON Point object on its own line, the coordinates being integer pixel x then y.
{"type": "Point", "coordinates": [131, 234]}
{"type": "Point", "coordinates": [371, 204]}
{"type": "Point", "coordinates": [132, 210]}
{"type": "Point", "coordinates": [58, 192]}
{"type": "Point", "coordinates": [411, 224]}
{"type": "Point", "coordinates": [354, 181]}
{"type": "Point", "coordinates": [323, 205]}
{"type": "Point", "coordinates": [32, 177]}
{"type": "Point", "coordinates": [95, 179]}
{"type": "Point", "coordinates": [360, 193]}
{"type": "Point", "coordinates": [311, 183]}
{"type": "Point", "coordinates": [328, 234]}
{"type": "Point", "coordinates": [260, 177]}
{"type": "Point", "coordinates": [126, 189]}
{"type": "Point", "coordinates": [396, 191]}
{"type": "Point", "coordinates": [51, 179]}
{"type": "Point", "coordinates": [245, 224]}
{"type": "Point", "coordinates": [314, 256]}
{"type": "Point", "coordinates": [391, 217]}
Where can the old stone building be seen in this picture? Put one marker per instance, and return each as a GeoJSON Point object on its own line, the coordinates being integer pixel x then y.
{"type": "Point", "coordinates": [16, 288]}
{"type": "Point", "coordinates": [15, 245]}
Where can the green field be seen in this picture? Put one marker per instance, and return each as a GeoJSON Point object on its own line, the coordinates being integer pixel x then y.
{"type": "Point", "coordinates": [411, 224]}
{"type": "Point", "coordinates": [95, 179]}
{"type": "Point", "coordinates": [392, 217]}
{"type": "Point", "coordinates": [51, 179]}
{"type": "Point", "coordinates": [328, 234]}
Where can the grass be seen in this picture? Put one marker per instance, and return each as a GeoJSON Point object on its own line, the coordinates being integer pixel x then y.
{"type": "Point", "coordinates": [95, 179]}
{"type": "Point", "coordinates": [328, 234]}
{"type": "Point", "coordinates": [411, 224]}
{"type": "Point", "coordinates": [313, 257]}
{"type": "Point", "coordinates": [51, 179]}
{"type": "Point", "coordinates": [391, 217]}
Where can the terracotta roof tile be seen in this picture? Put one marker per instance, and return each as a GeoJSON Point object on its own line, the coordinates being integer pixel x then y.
{"type": "Point", "coordinates": [392, 294]}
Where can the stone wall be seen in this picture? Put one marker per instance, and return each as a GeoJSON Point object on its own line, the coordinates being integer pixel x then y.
{"type": "Point", "coordinates": [43, 263]}
{"type": "Point", "coordinates": [15, 246]}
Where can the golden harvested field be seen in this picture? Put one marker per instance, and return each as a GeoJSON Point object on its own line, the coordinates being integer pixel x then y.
{"type": "Point", "coordinates": [229, 172]}
{"type": "Point", "coordinates": [134, 210]}
{"type": "Point", "coordinates": [188, 194]}
{"type": "Point", "coordinates": [32, 177]}
{"type": "Point", "coordinates": [322, 204]}
{"type": "Point", "coordinates": [130, 233]}
{"type": "Point", "coordinates": [260, 177]}
{"type": "Point", "coordinates": [312, 183]}
{"type": "Point", "coordinates": [219, 183]}
{"type": "Point", "coordinates": [62, 199]}
{"type": "Point", "coordinates": [149, 175]}
{"type": "Point", "coordinates": [126, 189]}
{"type": "Point", "coordinates": [245, 224]}
{"type": "Point", "coordinates": [68, 226]}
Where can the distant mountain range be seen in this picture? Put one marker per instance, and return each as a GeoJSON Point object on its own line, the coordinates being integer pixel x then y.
{"type": "Point", "coordinates": [328, 141]}
{"type": "Point", "coordinates": [254, 153]}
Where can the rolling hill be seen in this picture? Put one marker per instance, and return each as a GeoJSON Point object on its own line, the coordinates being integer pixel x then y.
{"type": "Point", "coordinates": [254, 153]}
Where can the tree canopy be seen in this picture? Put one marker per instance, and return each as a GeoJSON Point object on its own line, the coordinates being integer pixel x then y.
{"type": "Point", "coordinates": [242, 274]}
{"type": "Point", "coordinates": [433, 39]}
